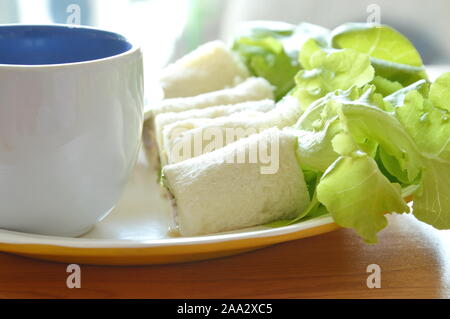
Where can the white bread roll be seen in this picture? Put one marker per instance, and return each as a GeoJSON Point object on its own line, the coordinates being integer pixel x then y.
{"type": "Point", "coordinates": [210, 67]}
{"type": "Point", "coordinates": [190, 138]}
{"type": "Point", "coordinates": [211, 195]}
{"type": "Point", "coordinates": [161, 120]}
{"type": "Point", "coordinates": [252, 89]}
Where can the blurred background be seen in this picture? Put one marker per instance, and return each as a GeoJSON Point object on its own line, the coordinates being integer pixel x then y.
{"type": "Point", "coordinates": [167, 29]}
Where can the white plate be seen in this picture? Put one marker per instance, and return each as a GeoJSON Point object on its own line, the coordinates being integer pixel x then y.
{"type": "Point", "coordinates": [137, 232]}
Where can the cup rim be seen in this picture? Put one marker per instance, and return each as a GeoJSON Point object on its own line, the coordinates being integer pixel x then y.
{"type": "Point", "coordinates": [132, 50]}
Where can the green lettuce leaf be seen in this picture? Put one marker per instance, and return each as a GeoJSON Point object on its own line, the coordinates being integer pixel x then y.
{"type": "Point", "coordinates": [328, 71]}
{"type": "Point", "coordinates": [432, 202]}
{"type": "Point", "coordinates": [315, 130]}
{"type": "Point", "coordinates": [373, 129]}
{"type": "Point", "coordinates": [266, 58]}
{"type": "Point", "coordinates": [391, 168]}
{"type": "Point", "coordinates": [369, 147]}
{"type": "Point", "coordinates": [321, 122]}
{"type": "Point", "coordinates": [379, 41]}
{"type": "Point", "coordinates": [357, 195]}
{"type": "Point", "coordinates": [354, 55]}
{"type": "Point", "coordinates": [427, 125]}
{"type": "Point", "coordinates": [417, 136]}
{"type": "Point", "coordinates": [270, 50]}
{"type": "Point", "coordinates": [368, 122]}
{"type": "Point", "coordinates": [386, 87]}
{"type": "Point", "coordinates": [428, 122]}
{"type": "Point", "coordinates": [440, 92]}
{"type": "Point", "coordinates": [398, 98]}
{"type": "Point", "coordinates": [393, 56]}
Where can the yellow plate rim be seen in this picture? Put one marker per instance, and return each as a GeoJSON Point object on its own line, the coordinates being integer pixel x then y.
{"type": "Point", "coordinates": [157, 254]}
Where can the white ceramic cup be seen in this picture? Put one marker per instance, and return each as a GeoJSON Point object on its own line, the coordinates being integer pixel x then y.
{"type": "Point", "coordinates": [71, 113]}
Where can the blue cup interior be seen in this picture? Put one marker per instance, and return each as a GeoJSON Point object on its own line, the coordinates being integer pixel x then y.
{"type": "Point", "coordinates": [53, 44]}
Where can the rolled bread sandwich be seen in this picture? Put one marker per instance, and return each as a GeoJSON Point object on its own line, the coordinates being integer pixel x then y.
{"type": "Point", "coordinates": [190, 138]}
{"type": "Point", "coordinates": [252, 89]}
{"type": "Point", "coordinates": [164, 119]}
{"type": "Point", "coordinates": [216, 191]}
{"type": "Point", "coordinates": [191, 75]}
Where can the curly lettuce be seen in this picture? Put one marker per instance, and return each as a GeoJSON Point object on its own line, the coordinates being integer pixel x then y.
{"type": "Point", "coordinates": [270, 50]}
{"type": "Point", "coordinates": [357, 54]}
{"type": "Point", "coordinates": [411, 131]}
{"type": "Point", "coordinates": [373, 131]}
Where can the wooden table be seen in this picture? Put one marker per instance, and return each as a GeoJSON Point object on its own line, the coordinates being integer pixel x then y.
{"type": "Point", "coordinates": [414, 260]}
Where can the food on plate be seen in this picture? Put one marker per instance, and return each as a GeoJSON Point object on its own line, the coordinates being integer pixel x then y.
{"type": "Point", "coordinates": [166, 119]}
{"type": "Point", "coordinates": [361, 129]}
{"type": "Point", "coordinates": [190, 138]}
{"type": "Point", "coordinates": [191, 75]}
{"type": "Point", "coordinates": [211, 195]}
{"type": "Point", "coordinates": [252, 89]}
{"type": "Point", "coordinates": [270, 50]}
